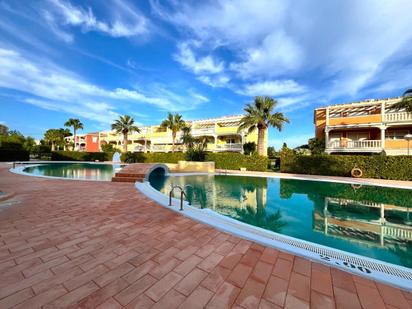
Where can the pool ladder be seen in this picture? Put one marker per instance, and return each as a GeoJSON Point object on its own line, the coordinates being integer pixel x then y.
{"type": "Point", "coordinates": [182, 194]}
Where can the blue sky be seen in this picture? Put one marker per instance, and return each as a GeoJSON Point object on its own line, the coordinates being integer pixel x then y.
{"type": "Point", "coordinates": [96, 60]}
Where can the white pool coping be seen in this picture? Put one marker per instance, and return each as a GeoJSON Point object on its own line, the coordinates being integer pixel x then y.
{"type": "Point", "coordinates": [391, 274]}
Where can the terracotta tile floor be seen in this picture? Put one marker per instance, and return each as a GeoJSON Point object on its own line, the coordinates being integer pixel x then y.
{"type": "Point", "coordinates": [93, 244]}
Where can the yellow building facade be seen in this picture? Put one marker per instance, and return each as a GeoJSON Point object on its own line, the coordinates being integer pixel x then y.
{"type": "Point", "coordinates": [370, 126]}
{"type": "Point", "coordinates": [221, 133]}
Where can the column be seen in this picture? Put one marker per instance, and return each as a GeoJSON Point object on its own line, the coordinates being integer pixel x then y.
{"type": "Point", "coordinates": [215, 137]}
{"type": "Point", "coordinates": [383, 129]}
{"type": "Point", "coordinates": [242, 139]}
{"type": "Point", "coordinates": [326, 137]}
{"type": "Point", "coordinates": [383, 111]}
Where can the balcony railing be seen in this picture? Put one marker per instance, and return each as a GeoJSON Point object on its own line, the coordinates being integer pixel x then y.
{"type": "Point", "coordinates": [397, 117]}
{"type": "Point", "coordinates": [229, 147]}
{"type": "Point", "coordinates": [363, 144]}
{"type": "Point", "coordinates": [203, 131]}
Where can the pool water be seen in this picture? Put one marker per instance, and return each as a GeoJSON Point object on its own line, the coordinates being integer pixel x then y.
{"type": "Point", "coordinates": [85, 171]}
{"type": "Point", "coordinates": [372, 221]}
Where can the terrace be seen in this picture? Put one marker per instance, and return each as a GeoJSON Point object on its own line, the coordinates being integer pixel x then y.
{"type": "Point", "coordinates": [105, 245]}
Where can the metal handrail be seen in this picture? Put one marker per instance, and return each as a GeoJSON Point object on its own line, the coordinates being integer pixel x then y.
{"type": "Point", "coordinates": [182, 193]}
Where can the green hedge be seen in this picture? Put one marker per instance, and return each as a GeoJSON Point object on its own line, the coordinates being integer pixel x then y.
{"type": "Point", "coordinates": [14, 155]}
{"type": "Point", "coordinates": [374, 166]}
{"type": "Point", "coordinates": [234, 161]}
{"type": "Point", "coordinates": [231, 161]}
{"type": "Point", "coordinates": [153, 157]}
{"type": "Point", "coordinates": [80, 156]}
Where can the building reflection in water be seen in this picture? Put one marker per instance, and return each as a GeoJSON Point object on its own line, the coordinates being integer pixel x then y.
{"type": "Point", "coordinates": [238, 197]}
{"type": "Point", "coordinates": [374, 216]}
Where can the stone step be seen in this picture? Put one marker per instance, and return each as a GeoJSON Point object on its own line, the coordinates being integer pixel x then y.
{"type": "Point", "coordinates": [127, 179]}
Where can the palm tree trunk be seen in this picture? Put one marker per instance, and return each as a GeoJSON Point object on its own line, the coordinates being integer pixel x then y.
{"type": "Point", "coordinates": [173, 141]}
{"type": "Point", "coordinates": [74, 134]}
{"type": "Point", "coordinates": [261, 141]}
{"type": "Point", "coordinates": [125, 142]}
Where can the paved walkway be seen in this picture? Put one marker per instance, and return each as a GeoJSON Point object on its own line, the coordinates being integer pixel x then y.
{"type": "Point", "coordinates": [88, 244]}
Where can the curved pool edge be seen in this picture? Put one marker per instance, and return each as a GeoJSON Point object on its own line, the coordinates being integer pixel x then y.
{"type": "Point", "coordinates": [391, 274]}
{"type": "Point", "coordinates": [19, 170]}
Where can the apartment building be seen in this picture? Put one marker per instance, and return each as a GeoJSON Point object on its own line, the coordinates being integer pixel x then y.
{"type": "Point", "coordinates": [370, 126]}
{"type": "Point", "coordinates": [221, 134]}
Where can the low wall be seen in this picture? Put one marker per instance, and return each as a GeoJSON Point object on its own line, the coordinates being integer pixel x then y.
{"type": "Point", "coordinates": [192, 166]}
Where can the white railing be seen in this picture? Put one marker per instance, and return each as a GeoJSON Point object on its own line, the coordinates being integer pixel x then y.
{"type": "Point", "coordinates": [160, 148]}
{"type": "Point", "coordinates": [363, 144]}
{"type": "Point", "coordinates": [230, 147]}
{"type": "Point", "coordinates": [394, 117]}
{"type": "Point", "coordinates": [203, 131]}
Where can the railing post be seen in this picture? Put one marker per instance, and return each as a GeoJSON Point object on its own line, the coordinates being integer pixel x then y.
{"type": "Point", "coordinates": [181, 199]}
{"type": "Point", "coordinates": [170, 197]}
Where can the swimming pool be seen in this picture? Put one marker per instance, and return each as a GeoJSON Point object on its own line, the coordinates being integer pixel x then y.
{"type": "Point", "coordinates": [371, 221]}
{"type": "Point", "coordinates": [79, 171]}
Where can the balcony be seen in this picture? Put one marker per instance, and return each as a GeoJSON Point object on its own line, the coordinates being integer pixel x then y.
{"type": "Point", "coordinates": [397, 117]}
{"type": "Point", "coordinates": [203, 131]}
{"type": "Point", "coordinates": [354, 146]}
{"type": "Point", "coordinates": [229, 147]}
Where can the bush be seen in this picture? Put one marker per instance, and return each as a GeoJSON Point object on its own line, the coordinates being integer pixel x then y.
{"type": "Point", "coordinates": [80, 156]}
{"type": "Point", "coordinates": [375, 166]}
{"type": "Point", "coordinates": [153, 157]}
{"type": "Point", "coordinates": [229, 160]}
{"type": "Point", "coordinates": [195, 154]}
{"type": "Point", "coordinates": [234, 161]}
{"type": "Point", "coordinates": [249, 148]}
{"type": "Point", "coordinates": [14, 155]}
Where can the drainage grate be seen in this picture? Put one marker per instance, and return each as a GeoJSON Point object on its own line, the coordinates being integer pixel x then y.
{"type": "Point", "coordinates": [357, 263]}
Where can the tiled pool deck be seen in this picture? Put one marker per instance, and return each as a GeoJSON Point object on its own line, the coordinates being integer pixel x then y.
{"type": "Point", "coordinates": [100, 244]}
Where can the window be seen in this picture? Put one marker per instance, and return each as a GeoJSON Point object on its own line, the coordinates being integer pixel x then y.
{"type": "Point", "coordinates": [230, 141]}
{"type": "Point", "coordinates": [396, 134]}
{"type": "Point", "coordinates": [94, 139]}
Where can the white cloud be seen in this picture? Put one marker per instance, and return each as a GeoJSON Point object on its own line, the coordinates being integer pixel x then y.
{"type": "Point", "coordinates": [220, 80]}
{"type": "Point", "coordinates": [201, 65]}
{"type": "Point", "coordinates": [126, 20]}
{"type": "Point", "coordinates": [342, 45]}
{"type": "Point", "coordinates": [57, 89]}
{"type": "Point", "coordinates": [272, 88]}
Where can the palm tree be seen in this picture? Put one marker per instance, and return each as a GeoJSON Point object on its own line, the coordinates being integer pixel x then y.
{"type": "Point", "coordinates": [77, 125]}
{"type": "Point", "coordinates": [259, 115]}
{"type": "Point", "coordinates": [406, 102]}
{"type": "Point", "coordinates": [125, 125]}
{"type": "Point", "coordinates": [174, 123]}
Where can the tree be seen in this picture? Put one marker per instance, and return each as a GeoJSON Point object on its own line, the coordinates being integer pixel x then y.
{"type": "Point", "coordinates": [55, 137]}
{"type": "Point", "coordinates": [406, 102]}
{"type": "Point", "coordinates": [77, 125]}
{"type": "Point", "coordinates": [187, 137]}
{"type": "Point", "coordinates": [174, 123]}
{"type": "Point", "coordinates": [4, 130]}
{"type": "Point", "coordinates": [316, 145]}
{"type": "Point", "coordinates": [259, 115]}
{"type": "Point", "coordinates": [271, 152]}
{"type": "Point", "coordinates": [125, 125]}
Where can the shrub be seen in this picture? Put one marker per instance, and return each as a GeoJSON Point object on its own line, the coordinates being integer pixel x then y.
{"type": "Point", "coordinates": [80, 156]}
{"type": "Point", "coordinates": [376, 166]}
{"type": "Point", "coordinates": [234, 161]}
{"type": "Point", "coordinates": [153, 157]}
{"type": "Point", "coordinates": [195, 154]}
{"type": "Point", "coordinates": [228, 160]}
{"type": "Point", "coordinates": [249, 148]}
{"type": "Point", "coordinates": [14, 155]}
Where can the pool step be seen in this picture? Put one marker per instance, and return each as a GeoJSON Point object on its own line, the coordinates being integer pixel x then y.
{"type": "Point", "coordinates": [127, 177]}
